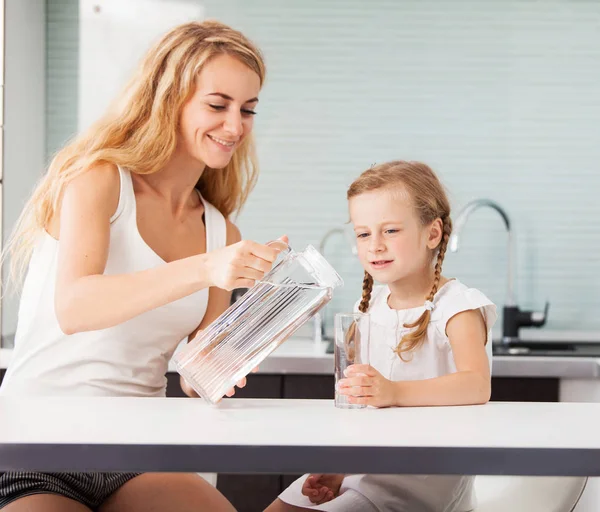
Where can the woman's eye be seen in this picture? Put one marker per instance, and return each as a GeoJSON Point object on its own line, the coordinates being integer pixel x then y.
{"type": "Point", "coordinates": [245, 111]}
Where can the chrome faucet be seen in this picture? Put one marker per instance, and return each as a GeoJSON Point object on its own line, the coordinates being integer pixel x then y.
{"type": "Point", "coordinates": [318, 321]}
{"type": "Point", "coordinates": [325, 238]}
{"type": "Point", "coordinates": [513, 317]}
{"type": "Point", "coordinates": [459, 224]}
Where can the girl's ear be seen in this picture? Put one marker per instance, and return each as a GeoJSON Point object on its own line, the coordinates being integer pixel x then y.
{"type": "Point", "coordinates": [436, 231]}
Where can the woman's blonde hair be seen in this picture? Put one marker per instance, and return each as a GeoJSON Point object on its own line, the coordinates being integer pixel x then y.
{"type": "Point", "coordinates": [430, 202]}
{"type": "Point", "coordinates": [139, 131]}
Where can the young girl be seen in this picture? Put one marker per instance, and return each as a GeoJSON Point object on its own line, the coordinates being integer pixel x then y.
{"type": "Point", "coordinates": [430, 337]}
{"type": "Point", "coordinates": [130, 250]}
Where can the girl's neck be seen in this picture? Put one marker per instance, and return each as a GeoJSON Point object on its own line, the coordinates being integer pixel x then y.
{"type": "Point", "coordinates": [412, 291]}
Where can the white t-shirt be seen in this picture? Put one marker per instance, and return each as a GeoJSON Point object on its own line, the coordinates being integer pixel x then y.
{"type": "Point", "coordinates": [433, 358]}
{"type": "Point", "coordinates": [129, 359]}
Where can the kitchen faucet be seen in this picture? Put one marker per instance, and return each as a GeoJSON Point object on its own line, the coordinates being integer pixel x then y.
{"type": "Point", "coordinates": [513, 317]}
{"type": "Point", "coordinates": [318, 320]}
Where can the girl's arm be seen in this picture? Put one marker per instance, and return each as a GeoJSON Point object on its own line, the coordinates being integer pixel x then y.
{"type": "Point", "coordinates": [471, 384]}
{"type": "Point", "coordinates": [86, 299]}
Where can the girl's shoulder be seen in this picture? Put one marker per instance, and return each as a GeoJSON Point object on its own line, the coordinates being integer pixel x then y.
{"type": "Point", "coordinates": [455, 297]}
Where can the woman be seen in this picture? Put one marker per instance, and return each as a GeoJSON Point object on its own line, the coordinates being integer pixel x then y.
{"type": "Point", "coordinates": [130, 250]}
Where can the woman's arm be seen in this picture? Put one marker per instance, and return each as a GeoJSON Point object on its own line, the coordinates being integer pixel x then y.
{"type": "Point", "coordinates": [471, 384]}
{"type": "Point", "coordinates": [86, 299]}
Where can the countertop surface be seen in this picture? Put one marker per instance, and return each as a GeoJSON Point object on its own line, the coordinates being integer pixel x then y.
{"type": "Point", "coordinates": [304, 356]}
{"type": "Point", "coordinates": [279, 436]}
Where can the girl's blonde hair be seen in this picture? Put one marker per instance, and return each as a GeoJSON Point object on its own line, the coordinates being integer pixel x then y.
{"type": "Point", "coordinates": [139, 131]}
{"type": "Point", "coordinates": [430, 202]}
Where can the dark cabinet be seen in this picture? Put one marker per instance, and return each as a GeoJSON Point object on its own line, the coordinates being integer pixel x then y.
{"type": "Point", "coordinates": [308, 386]}
{"type": "Point", "coordinates": [519, 389]}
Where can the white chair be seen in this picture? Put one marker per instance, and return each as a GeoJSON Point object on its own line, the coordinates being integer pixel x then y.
{"type": "Point", "coordinates": [211, 478]}
{"type": "Point", "coordinates": [528, 493]}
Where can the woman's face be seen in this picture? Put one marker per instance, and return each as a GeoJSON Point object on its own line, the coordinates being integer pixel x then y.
{"type": "Point", "coordinates": [220, 113]}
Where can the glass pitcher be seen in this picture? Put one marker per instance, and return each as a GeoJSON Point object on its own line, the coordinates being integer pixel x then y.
{"type": "Point", "coordinates": [299, 285]}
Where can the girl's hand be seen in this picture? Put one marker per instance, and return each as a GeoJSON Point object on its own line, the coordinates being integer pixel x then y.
{"type": "Point", "coordinates": [365, 385]}
{"type": "Point", "coordinates": [240, 265]}
{"type": "Point", "coordinates": [321, 488]}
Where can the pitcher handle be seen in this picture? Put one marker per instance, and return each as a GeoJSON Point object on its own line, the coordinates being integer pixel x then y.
{"type": "Point", "coordinates": [281, 245]}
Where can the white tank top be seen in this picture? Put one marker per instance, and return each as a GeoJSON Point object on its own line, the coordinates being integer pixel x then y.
{"type": "Point", "coordinates": [129, 359]}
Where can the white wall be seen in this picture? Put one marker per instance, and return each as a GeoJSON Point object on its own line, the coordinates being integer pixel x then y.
{"type": "Point", "coordinates": [24, 118]}
{"type": "Point", "coordinates": [500, 97]}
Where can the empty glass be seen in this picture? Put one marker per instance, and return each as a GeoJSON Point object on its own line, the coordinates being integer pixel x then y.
{"type": "Point", "coordinates": [298, 285]}
{"type": "Point", "coordinates": [351, 335]}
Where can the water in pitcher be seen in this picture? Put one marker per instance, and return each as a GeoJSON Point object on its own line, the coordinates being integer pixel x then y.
{"type": "Point", "coordinates": [257, 324]}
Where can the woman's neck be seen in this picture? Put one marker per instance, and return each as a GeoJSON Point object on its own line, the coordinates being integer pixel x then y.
{"type": "Point", "coordinates": [176, 181]}
{"type": "Point", "coordinates": [412, 291]}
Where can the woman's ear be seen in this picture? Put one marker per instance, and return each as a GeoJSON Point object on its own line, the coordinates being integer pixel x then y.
{"type": "Point", "coordinates": [436, 231]}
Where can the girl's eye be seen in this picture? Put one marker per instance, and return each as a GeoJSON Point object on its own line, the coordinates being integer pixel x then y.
{"type": "Point", "coordinates": [392, 231]}
{"type": "Point", "coordinates": [362, 235]}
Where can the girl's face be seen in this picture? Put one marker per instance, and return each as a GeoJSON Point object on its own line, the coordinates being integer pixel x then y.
{"type": "Point", "coordinates": [219, 115]}
{"type": "Point", "coordinates": [392, 243]}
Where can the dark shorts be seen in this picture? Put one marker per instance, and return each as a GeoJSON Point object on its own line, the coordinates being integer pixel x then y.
{"type": "Point", "coordinates": [89, 489]}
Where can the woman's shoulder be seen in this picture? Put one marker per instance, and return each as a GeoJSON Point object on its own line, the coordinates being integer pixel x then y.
{"type": "Point", "coordinates": [97, 187]}
{"type": "Point", "coordinates": [101, 178]}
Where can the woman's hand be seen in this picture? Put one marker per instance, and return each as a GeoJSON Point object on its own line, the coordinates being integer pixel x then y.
{"type": "Point", "coordinates": [189, 391]}
{"type": "Point", "coordinates": [241, 264]}
{"type": "Point", "coordinates": [320, 488]}
{"type": "Point", "coordinates": [240, 384]}
{"type": "Point", "coordinates": [365, 385]}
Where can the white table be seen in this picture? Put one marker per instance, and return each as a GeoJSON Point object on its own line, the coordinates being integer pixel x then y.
{"type": "Point", "coordinates": [296, 436]}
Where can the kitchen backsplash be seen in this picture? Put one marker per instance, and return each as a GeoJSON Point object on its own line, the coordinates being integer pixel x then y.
{"type": "Point", "coordinates": [500, 97]}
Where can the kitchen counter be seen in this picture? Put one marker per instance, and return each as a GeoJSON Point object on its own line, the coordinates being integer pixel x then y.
{"type": "Point", "coordinates": [287, 436]}
{"type": "Point", "coordinates": [301, 356]}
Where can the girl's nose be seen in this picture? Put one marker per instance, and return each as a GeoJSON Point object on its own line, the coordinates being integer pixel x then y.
{"type": "Point", "coordinates": [376, 244]}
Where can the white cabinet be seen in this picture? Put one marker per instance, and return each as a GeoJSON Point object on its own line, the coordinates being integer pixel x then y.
{"type": "Point", "coordinates": [113, 36]}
